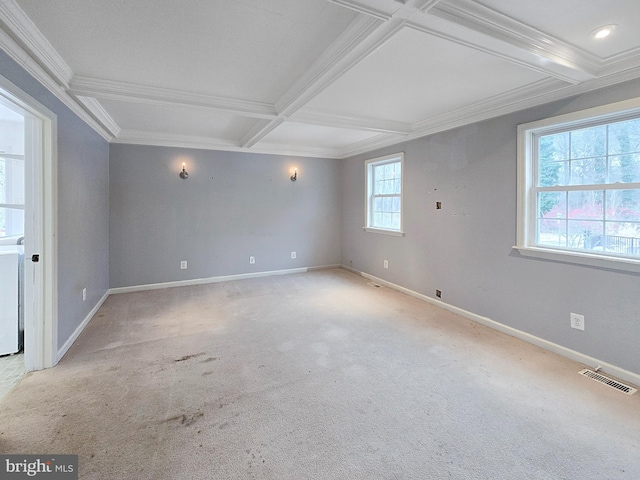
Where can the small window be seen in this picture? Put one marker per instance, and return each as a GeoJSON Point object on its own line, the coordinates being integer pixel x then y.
{"type": "Point", "coordinates": [384, 194]}
{"type": "Point", "coordinates": [579, 184]}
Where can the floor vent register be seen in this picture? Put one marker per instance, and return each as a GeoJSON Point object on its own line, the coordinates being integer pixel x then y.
{"type": "Point", "coordinates": [598, 377]}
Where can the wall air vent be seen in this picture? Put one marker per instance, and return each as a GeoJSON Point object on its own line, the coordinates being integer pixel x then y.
{"type": "Point", "coordinates": [608, 381]}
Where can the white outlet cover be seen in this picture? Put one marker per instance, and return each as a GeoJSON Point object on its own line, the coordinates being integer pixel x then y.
{"type": "Point", "coordinates": [386, 264]}
{"type": "Point", "coordinates": [293, 254]}
{"type": "Point", "coordinates": [252, 259]}
{"type": "Point", "coordinates": [183, 265]}
{"type": "Point", "coordinates": [577, 321]}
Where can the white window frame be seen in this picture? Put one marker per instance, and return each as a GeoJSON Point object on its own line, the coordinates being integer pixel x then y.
{"type": "Point", "coordinates": [526, 175]}
{"type": "Point", "coordinates": [368, 208]}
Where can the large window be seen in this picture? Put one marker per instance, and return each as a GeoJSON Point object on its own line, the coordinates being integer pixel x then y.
{"type": "Point", "coordinates": [384, 194]}
{"type": "Point", "coordinates": [579, 184]}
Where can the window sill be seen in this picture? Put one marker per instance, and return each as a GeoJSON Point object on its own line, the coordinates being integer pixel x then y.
{"type": "Point", "coordinates": [578, 258]}
{"type": "Point", "coordinates": [394, 233]}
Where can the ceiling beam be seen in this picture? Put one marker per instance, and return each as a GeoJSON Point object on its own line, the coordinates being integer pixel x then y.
{"type": "Point", "coordinates": [476, 26]}
{"type": "Point", "coordinates": [146, 94]}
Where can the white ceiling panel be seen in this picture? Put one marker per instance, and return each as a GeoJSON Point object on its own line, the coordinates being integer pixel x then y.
{"type": "Point", "coordinates": [177, 121]}
{"type": "Point", "coordinates": [248, 49]}
{"type": "Point", "coordinates": [573, 20]}
{"type": "Point", "coordinates": [416, 75]}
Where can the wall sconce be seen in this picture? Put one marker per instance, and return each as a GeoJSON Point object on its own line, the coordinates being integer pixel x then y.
{"type": "Point", "coordinates": [184, 174]}
{"type": "Point", "coordinates": [294, 177]}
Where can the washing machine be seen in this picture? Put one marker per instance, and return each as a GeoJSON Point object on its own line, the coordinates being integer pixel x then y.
{"type": "Point", "coordinates": [11, 295]}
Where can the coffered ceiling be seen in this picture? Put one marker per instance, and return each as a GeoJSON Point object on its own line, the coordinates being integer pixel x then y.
{"type": "Point", "coordinates": [328, 78]}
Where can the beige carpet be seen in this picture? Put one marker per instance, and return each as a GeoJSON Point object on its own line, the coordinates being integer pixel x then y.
{"type": "Point", "coordinates": [315, 376]}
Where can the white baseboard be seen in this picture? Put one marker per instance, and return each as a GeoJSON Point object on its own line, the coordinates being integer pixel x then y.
{"type": "Point", "coordinates": [74, 336]}
{"type": "Point", "coordinates": [527, 337]}
{"type": "Point", "coordinates": [224, 278]}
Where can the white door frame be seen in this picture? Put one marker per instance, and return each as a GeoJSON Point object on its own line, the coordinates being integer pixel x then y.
{"type": "Point", "coordinates": [41, 220]}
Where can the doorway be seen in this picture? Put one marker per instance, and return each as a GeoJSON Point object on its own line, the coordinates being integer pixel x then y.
{"type": "Point", "coordinates": [28, 220]}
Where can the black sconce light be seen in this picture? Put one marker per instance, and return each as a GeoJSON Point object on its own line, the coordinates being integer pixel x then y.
{"type": "Point", "coordinates": [184, 174]}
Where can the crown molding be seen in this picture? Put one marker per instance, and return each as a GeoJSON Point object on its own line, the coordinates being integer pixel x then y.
{"type": "Point", "coordinates": [34, 42]}
{"type": "Point", "coordinates": [33, 68]}
{"type": "Point", "coordinates": [137, 137]}
{"type": "Point", "coordinates": [621, 62]}
{"type": "Point", "coordinates": [371, 144]}
{"type": "Point", "coordinates": [150, 95]}
{"type": "Point", "coordinates": [101, 115]}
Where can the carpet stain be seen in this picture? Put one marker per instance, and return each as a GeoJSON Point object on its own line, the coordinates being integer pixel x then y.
{"type": "Point", "coordinates": [210, 359]}
{"type": "Point", "coordinates": [210, 372]}
{"type": "Point", "coordinates": [188, 357]}
{"type": "Point", "coordinates": [184, 419]}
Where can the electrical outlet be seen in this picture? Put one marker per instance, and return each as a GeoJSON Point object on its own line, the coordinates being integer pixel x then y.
{"type": "Point", "coordinates": [577, 321]}
{"type": "Point", "coordinates": [439, 293]}
{"type": "Point", "coordinates": [385, 264]}
{"type": "Point", "coordinates": [252, 259]}
{"type": "Point", "coordinates": [183, 265]}
{"type": "Point", "coordinates": [84, 294]}
{"type": "Point", "coordinates": [293, 254]}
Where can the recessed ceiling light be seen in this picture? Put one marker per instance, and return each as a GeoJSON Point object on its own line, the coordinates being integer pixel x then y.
{"type": "Point", "coordinates": [603, 32]}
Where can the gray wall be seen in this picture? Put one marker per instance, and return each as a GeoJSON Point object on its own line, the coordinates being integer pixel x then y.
{"type": "Point", "coordinates": [232, 206]}
{"type": "Point", "coordinates": [465, 248]}
{"type": "Point", "coordinates": [83, 206]}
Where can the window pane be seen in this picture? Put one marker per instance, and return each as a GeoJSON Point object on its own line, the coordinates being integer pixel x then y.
{"type": "Point", "coordinates": [589, 142]}
{"type": "Point", "coordinates": [552, 232]}
{"type": "Point", "coordinates": [624, 137]}
{"type": "Point", "coordinates": [624, 168]}
{"type": "Point", "coordinates": [584, 234]}
{"type": "Point", "coordinates": [11, 222]}
{"type": "Point", "coordinates": [552, 204]}
{"type": "Point", "coordinates": [586, 205]}
{"type": "Point", "coordinates": [395, 221]}
{"type": "Point", "coordinates": [589, 171]}
{"type": "Point", "coordinates": [623, 205]}
{"type": "Point", "coordinates": [396, 204]}
{"type": "Point", "coordinates": [623, 238]}
{"type": "Point", "coordinates": [387, 204]}
{"type": "Point", "coordinates": [553, 173]}
{"type": "Point", "coordinates": [11, 181]}
{"type": "Point", "coordinates": [552, 148]}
